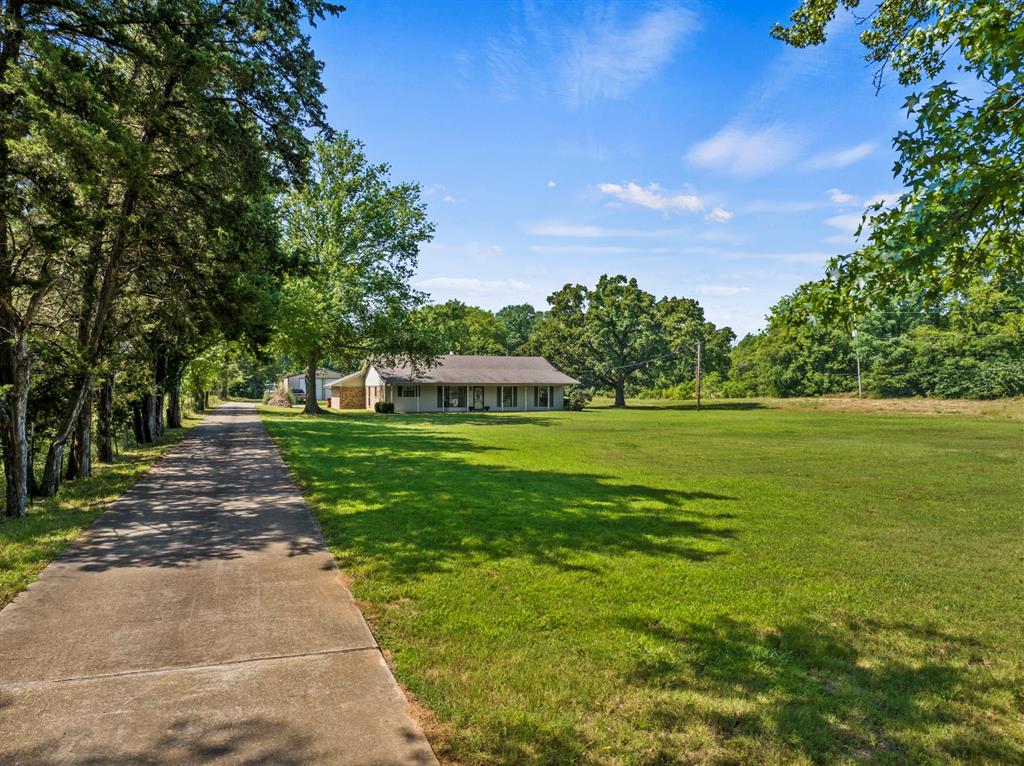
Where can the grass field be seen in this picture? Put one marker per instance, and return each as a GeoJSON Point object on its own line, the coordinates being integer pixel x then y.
{"type": "Point", "coordinates": [748, 584]}
{"type": "Point", "coordinates": [27, 545]}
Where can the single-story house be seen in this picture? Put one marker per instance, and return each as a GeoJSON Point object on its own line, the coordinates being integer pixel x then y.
{"type": "Point", "coordinates": [297, 382]}
{"type": "Point", "coordinates": [456, 384]}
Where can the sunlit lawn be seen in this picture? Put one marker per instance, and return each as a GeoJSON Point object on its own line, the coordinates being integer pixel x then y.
{"type": "Point", "coordinates": [28, 544]}
{"type": "Point", "coordinates": [658, 586]}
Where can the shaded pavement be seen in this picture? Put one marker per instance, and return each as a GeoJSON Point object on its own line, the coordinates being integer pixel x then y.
{"type": "Point", "coordinates": [202, 620]}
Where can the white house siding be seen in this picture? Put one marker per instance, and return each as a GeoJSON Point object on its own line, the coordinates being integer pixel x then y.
{"type": "Point", "coordinates": [427, 399]}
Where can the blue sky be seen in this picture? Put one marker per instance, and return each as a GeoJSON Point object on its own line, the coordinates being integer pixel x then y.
{"type": "Point", "coordinates": [674, 142]}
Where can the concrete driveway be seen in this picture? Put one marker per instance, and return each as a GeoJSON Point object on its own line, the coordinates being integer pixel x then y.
{"type": "Point", "coordinates": [202, 621]}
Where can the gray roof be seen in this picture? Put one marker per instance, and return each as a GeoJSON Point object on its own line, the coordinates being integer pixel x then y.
{"type": "Point", "coordinates": [482, 370]}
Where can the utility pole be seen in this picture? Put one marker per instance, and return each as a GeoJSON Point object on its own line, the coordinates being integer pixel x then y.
{"type": "Point", "coordinates": [698, 376]}
{"type": "Point", "coordinates": [856, 348]}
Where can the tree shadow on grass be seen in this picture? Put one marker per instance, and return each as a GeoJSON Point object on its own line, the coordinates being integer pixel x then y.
{"type": "Point", "coordinates": [870, 691]}
{"type": "Point", "coordinates": [415, 501]}
{"type": "Point", "coordinates": [683, 405]}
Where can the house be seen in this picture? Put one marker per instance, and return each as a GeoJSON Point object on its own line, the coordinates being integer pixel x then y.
{"type": "Point", "coordinates": [297, 382]}
{"type": "Point", "coordinates": [456, 384]}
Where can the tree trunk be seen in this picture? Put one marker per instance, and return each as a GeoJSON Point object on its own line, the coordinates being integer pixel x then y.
{"type": "Point", "coordinates": [15, 368]}
{"type": "Point", "coordinates": [206, 400]}
{"type": "Point", "coordinates": [200, 400]}
{"type": "Point", "coordinates": [174, 406]}
{"type": "Point", "coordinates": [55, 454]}
{"type": "Point", "coordinates": [105, 422]}
{"type": "Point", "coordinates": [620, 392]}
{"type": "Point", "coordinates": [312, 406]}
{"type": "Point", "coordinates": [138, 423]}
{"type": "Point", "coordinates": [149, 414]}
{"type": "Point", "coordinates": [80, 456]}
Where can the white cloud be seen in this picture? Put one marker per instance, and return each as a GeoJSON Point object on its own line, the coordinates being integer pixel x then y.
{"type": "Point", "coordinates": [721, 290]}
{"type": "Point", "coordinates": [885, 198]}
{"type": "Point", "coordinates": [718, 215]}
{"type": "Point", "coordinates": [839, 158]}
{"type": "Point", "coordinates": [846, 222]}
{"type": "Point", "coordinates": [471, 287]}
{"type": "Point", "coordinates": [555, 228]}
{"type": "Point", "coordinates": [783, 206]}
{"type": "Point", "coordinates": [476, 250]}
{"type": "Point", "coordinates": [594, 249]}
{"type": "Point", "coordinates": [745, 152]}
{"type": "Point", "coordinates": [448, 199]}
{"type": "Point", "coordinates": [652, 196]}
{"type": "Point", "coordinates": [608, 58]}
{"type": "Point", "coordinates": [805, 257]}
{"type": "Point", "coordinates": [558, 229]}
{"type": "Point", "coordinates": [552, 184]}
{"type": "Point", "coordinates": [599, 54]}
{"type": "Point", "coordinates": [840, 197]}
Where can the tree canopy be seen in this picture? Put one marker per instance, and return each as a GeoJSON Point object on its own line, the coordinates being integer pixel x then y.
{"type": "Point", "coordinates": [616, 334]}
{"type": "Point", "coordinates": [355, 237]}
{"type": "Point", "coordinates": [961, 163]}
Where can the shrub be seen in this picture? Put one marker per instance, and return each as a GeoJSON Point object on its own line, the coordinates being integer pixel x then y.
{"type": "Point", "coordinates": [577, 397]}
{"type": "Point", "coordinates": [384, 407]}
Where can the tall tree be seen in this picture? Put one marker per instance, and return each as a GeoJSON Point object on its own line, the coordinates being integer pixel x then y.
{"type": "Point", "coordinates": [605, 335]}
{"type": "Point", "coordinates": [683, 326]}
{"type": "Point", "coordinates": [461, 329]}
{"type": "Point", "coordinates": [521, 321]}
{"type": "Point", "coordinates": [961, 214]}
{"type": "Point", "coordinates": [356, 236]}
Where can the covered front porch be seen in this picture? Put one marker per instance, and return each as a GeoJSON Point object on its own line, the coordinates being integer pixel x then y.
{"type": "Point", "coordinates": [473, 398]}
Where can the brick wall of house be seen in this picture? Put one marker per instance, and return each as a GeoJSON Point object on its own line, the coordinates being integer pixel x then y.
{"type": "Point", "coordinates": [352, 397]}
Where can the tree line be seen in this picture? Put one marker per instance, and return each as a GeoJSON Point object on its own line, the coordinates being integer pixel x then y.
{"type": "Point", "coordinates": [142, 150]}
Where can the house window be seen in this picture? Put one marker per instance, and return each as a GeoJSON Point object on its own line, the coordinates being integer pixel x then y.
{"type": "Point", "coordinates": [508, 396]}
{"type": "Point", "coordinates": [451, 396]}
{"type": "Point", "coordinates": [541, 396]}
{"type": "Point", "coordinates": [408, 392]}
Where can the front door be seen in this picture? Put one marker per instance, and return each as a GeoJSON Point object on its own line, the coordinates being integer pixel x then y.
{"type": "Point", "coordinates": [478, 397]}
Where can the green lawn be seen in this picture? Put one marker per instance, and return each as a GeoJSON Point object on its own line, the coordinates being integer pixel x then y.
{"type": "Point", "coordinates": [27, 545]}
{"type": "Point", "coordinates": [750, 584]}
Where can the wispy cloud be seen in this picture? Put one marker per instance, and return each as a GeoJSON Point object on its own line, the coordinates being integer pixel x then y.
{"type": "Point", "coordinates": [607, 58]}
{"type": "Point", "coordinates": [595, 249]}
{"type": "Point", "coordinates": [845, 222]}
{"type": "Point", "coordinates": [652, 197]}
{"type": "Point", "coordinates": [565, 229]}
{"type": "Point", "coordinates": [560, 229]}
{"type": "Point", "coordinates": [477, 250]}
{"type": "Point", "coordinates": [884, 198]}
{"type": "Point", "coordinates": [471, 287]}
{"type": "Point", "coordinates": [718, 215]}
{"type": "Point", "coordinates": [840, 197]}
{"type": "Point", "coordinates": [745, 151]}
{"type": "Point", "coordinates": [722, 290]}
{"type": "Point", "coordinates": [552, 184]}
{"type": "Point", "coordinates": [783, 206]}
{"type": "Point", "coordinates": [839, 158]}
{"type": "Point", "coordinates": [600, 55]}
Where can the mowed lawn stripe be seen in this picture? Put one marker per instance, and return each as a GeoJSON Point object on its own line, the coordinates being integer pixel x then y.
{"type": "Point", "coordinates": [658, 586]}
